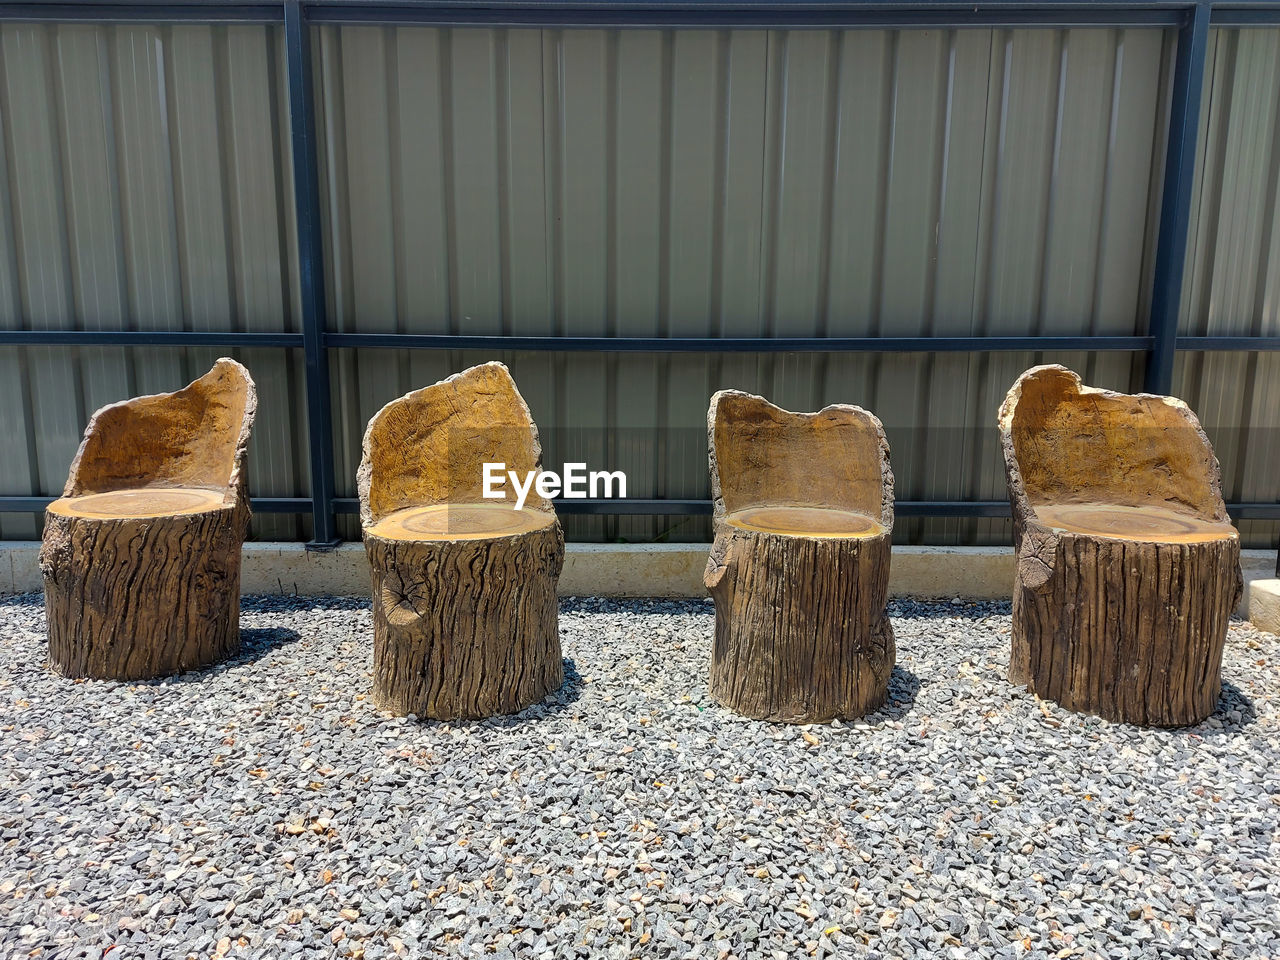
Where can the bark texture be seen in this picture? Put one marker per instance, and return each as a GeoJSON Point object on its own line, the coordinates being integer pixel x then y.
{"type": "Point", "coordinates": [134, 589]}
{"type": "Point", "coordinates": [1126, 630]}
{"type": "Point", "coordinates": [1128, 624]}
{"type": "Point", "coordinates": [801, 632]}
{"type": "Point", "coordinates": [464, 596]}
{"type": "Point", "coordinates": [465, 628]}
{"type": "Point", "coordinates": [130, 599]}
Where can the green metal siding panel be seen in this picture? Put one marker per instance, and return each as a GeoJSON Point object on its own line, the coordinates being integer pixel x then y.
{"type": "Point", "coordinates": [637, 183]}
{"type": "Point", "coordinates": [146, 185]}
{"type": "Point", "coordinates": [1233, 266]}
{"type": "Point", "coordinates": [742, 183]}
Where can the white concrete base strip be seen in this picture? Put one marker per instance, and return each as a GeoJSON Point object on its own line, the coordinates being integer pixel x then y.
{"type": "Point", "coordinates": [1263, 603]}
{"type": "Point", "coordinates": [20, 559]}
{"type": "Point", "coordinates": [646, 570]}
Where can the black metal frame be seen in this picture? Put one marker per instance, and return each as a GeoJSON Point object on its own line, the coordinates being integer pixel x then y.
{"type": "Point", "coordinates": [1192, 18]}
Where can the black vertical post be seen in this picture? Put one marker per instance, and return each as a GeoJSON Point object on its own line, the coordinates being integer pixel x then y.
{"type": "Point", "coordinates": [306, 192]}
{"type": "Point", "coordinates": [1175, 204]}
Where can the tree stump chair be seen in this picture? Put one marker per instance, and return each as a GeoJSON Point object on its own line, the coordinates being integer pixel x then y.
{"type": "Point", "coordinates": [141, 554]}
{"type": "Point", "coordinates": [464, 588]}
{"type": "Point", "coordinates": [799, 570]}
{"type": "Point", "coordinates": [1127, 566]}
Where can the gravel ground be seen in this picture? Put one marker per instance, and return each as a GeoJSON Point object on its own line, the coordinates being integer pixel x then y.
{"type": "Point", "coordinates": [264, 808]}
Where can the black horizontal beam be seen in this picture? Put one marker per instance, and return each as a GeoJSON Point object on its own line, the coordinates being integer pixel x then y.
{"type": "Point", "coordinates": [782, 15]}
{"type": "Point", "coordinates": [417, 341]}
{"type": "Point", "coordinates": [990, 14]}
{"type": "Point", "coordinates": [617, 508]}
{"type": "Point", "coordinates": [675, 507]}
{"type": "Point", "coordinates": [1254, 511]}
{"type": "Point", "coordinates": [143, 11]}
{"type": "Point", "coordinates": [147, 338]}
{"type": "Point", "coordinates": [673, 13]}
{"type": "Point", "coordinates": [948, 508]}
{"type": "Point", "coordinates": [24, 504]}
{"type": "Point", "coordinates": [259, 504]}
{"type": "Point", "coordinates": [854, 6]}
{"type": "Point", "coordinates": [1194, 344]}
{"type": "Point", "coordinates": [1245, 14]}
{"type": "Point", "coordinates": [587, 506]}
{"type": "Point", "coordinates": [654, 13]}
{"type": "Point", "coordinates": [903, 508]}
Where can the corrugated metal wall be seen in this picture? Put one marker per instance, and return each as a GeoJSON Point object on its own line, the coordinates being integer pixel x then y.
{"type": "Point", "coordinates": [144, 184]}
{"type": "Point", "coordinates": [1232, 286]}
{"type": "Point", "coordinates": [638, 183]}
{"type": "Point", "coordinates": [740, 183]}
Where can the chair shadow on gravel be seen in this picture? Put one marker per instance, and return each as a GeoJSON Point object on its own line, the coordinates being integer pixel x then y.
{"type": "Point", "coordinates": [555, 702]}
{"type": "Point", "coordinates": [1233, 700]}
{"type": "Point", "coordinates": [255, 643]}
{"type": "Point", "coordinates": [22, 599]}
{"type": "Point", "coordinates": [903, 687]}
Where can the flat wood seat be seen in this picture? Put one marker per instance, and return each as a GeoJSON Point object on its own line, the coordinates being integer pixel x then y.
{"type": "Point", "coordinates": [1145, 524]}
{"type": "Point", "coordinates": [806, 521]}
{"type": "Point", "coordinates": [142, 503]}
{"type": "Point", "coordinates": [460, 521]}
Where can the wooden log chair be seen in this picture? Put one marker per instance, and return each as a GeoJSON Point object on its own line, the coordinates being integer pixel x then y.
{"type": "Point", "coordinates": [1127, 565]}
{"type": "Point", "coordinates": [464, 589]}
{"type": "Point", "coordinates": [799, 570]}
{"type": "Point", "coordinates": [141, 554]}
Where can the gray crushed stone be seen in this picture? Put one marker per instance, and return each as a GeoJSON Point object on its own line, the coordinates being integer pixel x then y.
{"type": "Point", "coordinates": [264, 808]}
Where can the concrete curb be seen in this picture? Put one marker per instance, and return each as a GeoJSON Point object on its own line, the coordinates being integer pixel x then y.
{"type": "Point", "coordinates": [647, 570]}
{"type": "Point", "coordinates": [1263, 603]}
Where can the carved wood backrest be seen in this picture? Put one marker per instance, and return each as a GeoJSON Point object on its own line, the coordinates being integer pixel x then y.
{"type": "Point", "coordinates": [764, 455]}
{"type": "Point", "coordinates": [1068, 443]}
{"type": "Point", "coordinates": [430, 446]}
{"type": "Point", "coordinates": [194, 437]}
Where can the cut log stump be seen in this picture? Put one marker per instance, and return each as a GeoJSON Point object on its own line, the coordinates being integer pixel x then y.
{"type": "Point", "coordinates": [1127, 565]}
{"type": "Point", "coordinates": [799, 570]}
{"type": "Point", "coordinates": [141, 554]}
{"type": "Point", "coordinates": [464, 589]}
